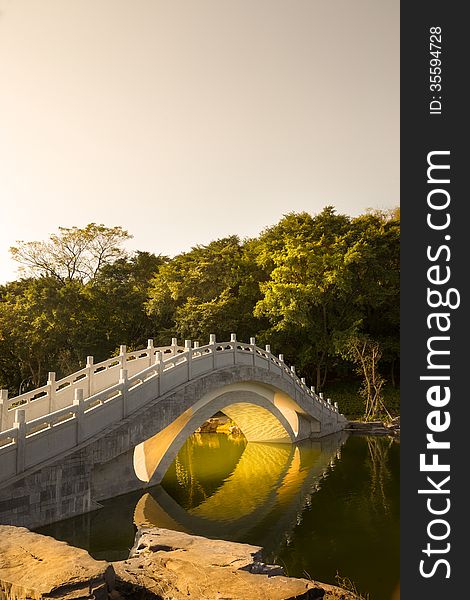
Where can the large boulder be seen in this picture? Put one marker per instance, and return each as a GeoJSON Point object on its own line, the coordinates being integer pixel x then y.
{"type": "Point", "coordinates": [36, 567]}
{"type": "Point", "coordinates": [175, 565]}
{"type": "Point", "coordinates": [163, 565]}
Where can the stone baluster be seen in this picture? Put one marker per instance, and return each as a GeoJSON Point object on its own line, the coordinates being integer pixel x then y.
{"type": "Point", "coordinates": [336, 406]}
{"type": "Point", "coordinates": [174, 346]}
{"type": "Point", "coordinates": [123, 384]}
{"type": "Point", "coordinates": [233, 340]}
{"type": "Point", "coordinates": [302, 379]}
{"type": "Point", "coordinates": [90, 375]}
{"type": "Point", "coordinates": [79, 412]}
{"type": "Point", "coordinates": [150, 352]}
{"type": "Point", "coordinates": [122, 356]}
{"type": "Point", "coordinates": [51, 390]}
{"type": "Point", "coordinates": [3, 409]}
{"type": "Point", "coordinates": [20, 426]}
{"type": "Point", "coordinates": [253, 349]}
{"type": "Point", "coordinates": [187, 348]}
{"type": "Point", "coordinates": [196, 345]}
{"type": "Point", "coordinates": [212, 343]}
{"type": "Point", "coordinates": [281, 360]}
{"type": "Point", "coordinates": [268, 352]}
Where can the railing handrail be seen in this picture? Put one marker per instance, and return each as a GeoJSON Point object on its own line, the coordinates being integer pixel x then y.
{"type": "Point", "coordinates": [42, 392]}
{"type": "Point", "coordinates": [163, 361]}
{"type": "Point", "coordinates": [175, 351]}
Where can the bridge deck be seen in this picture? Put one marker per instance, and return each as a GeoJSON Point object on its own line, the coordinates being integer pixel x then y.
{"type": "Point", "coordinates": [55, 418]}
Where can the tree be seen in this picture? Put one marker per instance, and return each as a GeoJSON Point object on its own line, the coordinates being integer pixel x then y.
{"type": "Point", "coordinates": [308, 296]}
{"type": "Point", "coordinates": [50, 325]}
{"type": "Point", "coordinates": [377, 274]}
{"type": "Point", "coordinates": [72, 254]}
{"type": "Point", "coordinates": [366, 354]}
{"type": "Point", "coordinates": [44, 326]}
{"type": "Point", "coordinates": [210, 289]}
{"type": "Point", "coordinates": [119, 294]}
{"type": "Point", "coordinates": [330, 275]}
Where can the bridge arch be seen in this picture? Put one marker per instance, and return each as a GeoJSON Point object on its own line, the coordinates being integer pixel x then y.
{"type": "Point", "coordinates": [262, 413]}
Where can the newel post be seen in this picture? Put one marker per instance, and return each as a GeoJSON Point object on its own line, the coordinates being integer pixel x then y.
{"type": "Point", "coordinates": [20, 426]}
{"type": "Point", "coordinates": [90, 374]}
{"type": "Point", "coordinates": [212, 343]}
{"type": "Point", "coordinates": [122, 355]}
{"type": "Point", "coordinates": [150, 351]}
{"type": "Point", "coordinates": [253, 349]}
{"type": "Point", "coordinates": [187, 348]}
{"type": "Point", "coordinates": [3, 409]}
{"type": "Point", "coordinates": [123, 384]}
{"type": "Point", "coordinates": [336, 406]}
{"type": "Point", "coordinates": [174, 346]}
{"type": "Point", "coordinates": [268, 352]}
{"type": "Point", "coordinates": [51, 390]}
{"type": "Point", "coordinates": [233, 340]}
{"type": "Point", "coordinates": [79, 412]}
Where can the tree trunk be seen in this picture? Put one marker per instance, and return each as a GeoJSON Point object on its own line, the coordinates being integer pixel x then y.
{"type": "Point", "coordinates": [318, 386]}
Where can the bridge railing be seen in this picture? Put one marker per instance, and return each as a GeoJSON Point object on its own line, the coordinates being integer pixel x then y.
{"type": "Point", "coordinates": [93, 378]}
{"type": "Point", "coordinates": [28, 442]}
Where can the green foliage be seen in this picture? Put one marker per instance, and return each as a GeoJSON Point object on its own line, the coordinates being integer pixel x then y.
{"type": "Point", "coordinates": [41, 327]}
{"type": "Point", "coordinates": [74, 254]}
{"type": "Point", "coordinates": [47, 324]}
{"type": "Point", "coordinates": [307, 286]}
{"type": "Point", "coordinates": [211, 289]}
{"type": "Point", "coordinates": [330, 276]}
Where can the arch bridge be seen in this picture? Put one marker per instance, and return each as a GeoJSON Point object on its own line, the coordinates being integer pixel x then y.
{"type": "Point", "coordinates": [116, 426]}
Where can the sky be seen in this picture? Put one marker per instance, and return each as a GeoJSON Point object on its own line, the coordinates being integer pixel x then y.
{"type": "Point", "coordinates": [184, 121]}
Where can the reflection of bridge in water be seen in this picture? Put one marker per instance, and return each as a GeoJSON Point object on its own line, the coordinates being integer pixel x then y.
{"type": "Point", "coordinates": [260, 501]}
{"type": "Point", "coordinates": [124, 420]}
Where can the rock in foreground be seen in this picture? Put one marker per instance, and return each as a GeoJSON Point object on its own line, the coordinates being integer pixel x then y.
{"type": "Point", "coordinates": [163, 565]}
{"type": "Point", "coordinates": [175, 565]}
{"type": "Point", "coordinates": [34, 566]}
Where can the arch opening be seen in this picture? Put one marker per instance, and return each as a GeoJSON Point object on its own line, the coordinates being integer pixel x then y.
{"type": "Point", "coordinates": [251, 407]}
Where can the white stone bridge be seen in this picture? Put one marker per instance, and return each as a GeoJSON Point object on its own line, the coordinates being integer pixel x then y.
{"type": "Point", "coordinates": [116, 426]}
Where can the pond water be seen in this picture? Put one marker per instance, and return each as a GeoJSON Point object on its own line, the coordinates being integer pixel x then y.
{"type": "Point", "coordinates": [321, 509]}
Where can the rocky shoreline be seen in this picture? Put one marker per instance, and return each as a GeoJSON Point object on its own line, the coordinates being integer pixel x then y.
{"type": "Point", "coordinates": [162, 565]}
{"type": "Point", "coordinates": [375, 427]}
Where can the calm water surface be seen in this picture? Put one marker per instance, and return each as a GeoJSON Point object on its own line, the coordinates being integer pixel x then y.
{"type": "Point", "coordinates": [320, 509]}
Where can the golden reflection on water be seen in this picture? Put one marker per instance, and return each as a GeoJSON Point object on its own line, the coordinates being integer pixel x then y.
{"type": "Point", "coordinates": [264, 478]}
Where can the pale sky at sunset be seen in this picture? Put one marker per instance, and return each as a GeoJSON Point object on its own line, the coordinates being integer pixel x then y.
{"type": "Point", "coordinates": [187, 120]}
